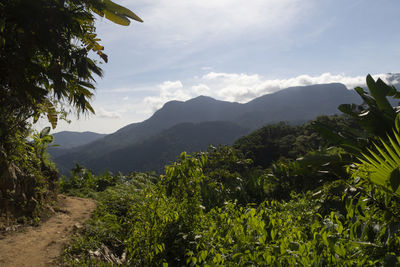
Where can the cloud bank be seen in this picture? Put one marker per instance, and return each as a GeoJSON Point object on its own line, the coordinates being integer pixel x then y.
{"type": "Point", "coordinates": [241, 87]}
{"type": "Point", "coordinates": [102, 113]}
{"type": "Point", "coordinates": [127, 105]}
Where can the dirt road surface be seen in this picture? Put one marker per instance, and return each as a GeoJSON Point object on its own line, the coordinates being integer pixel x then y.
{"type": "Point", "coordinates": [42, 246]}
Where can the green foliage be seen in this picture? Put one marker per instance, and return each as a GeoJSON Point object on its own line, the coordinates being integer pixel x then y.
{"type": "Point", "coordinates": [383, 163]}
{"type": "Point", "coordinates": [40, 143]}
{"type": "Point", "coordinates": [148, 228]}
{"type": "Point", "coordinates": [28, 180]}
{"type": "Point", "coordinates": [218, 209]}
{"type": "Point", "coordinates": [150, 225]}
{"type": "Point", "coordinates": [83, 183]}
{"type": "Point", "coordinates": [313, 170]}
{"type": "Point", "coordinates": [116, 13]}
{"type": "Point", "coordinates": [376, 116]}
{"type": "Point", "coordinates": [277, 141]}
{"type": "Point", "coordinates": [44, 67]}
{"type": "Point", "coordinates": [119, 208]}
{"type": "Point", "coordinates": [41, 67]}
{"type": "Point", "coordinates": [229, 176]}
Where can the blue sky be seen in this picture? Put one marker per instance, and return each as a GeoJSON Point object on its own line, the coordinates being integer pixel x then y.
{"type": "Point", "coordinates": [236, 50]}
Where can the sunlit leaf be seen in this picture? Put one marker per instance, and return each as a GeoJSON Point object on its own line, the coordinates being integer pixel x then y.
{"type": "Point", "coordinates": [395, 179]}
{"type": "Point", "coordinates": [117, 19]}
{"type": "Point", "coordinates": [44, 132]}
{"type": "Point", "coordinates": [121, 11]}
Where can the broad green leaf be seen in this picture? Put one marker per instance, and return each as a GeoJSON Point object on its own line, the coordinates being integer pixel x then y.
{"type": "Point", "coordinates": [395, 179]}
{"type": "Point", "coordinates": [394, 145]}
{"type": "Point", "coordinates": [116, 13]}
{"type": "Point", "coordinates": [52, 114]}
{"type": "Point", "coordinates": [378, 91]}
{"type": "Point", "coordinates": [117, 19]}
{"type": "Point", "coordinates": [383, 87]}
{"type": "Point", "coordinates": [98, 12]}
{"type": "Point", "coordinates": [347, 109]}
{"type": "Point", "coordinates": [397, 122]}
{"type": "Point", "coordinates": [379, 161]}
{"type": "Point", "coordinates": [89, 107]}
{"type": "Point", "coordinates": [120, 10]}
{"type": "Point", "coordinates": [367, 98]}
{"type": "Point", "coordinates": [389, 151]}
{"type": "Point", "coordinates": [44, 132]}
{"type": "Point", "coordinates": [360, 91]}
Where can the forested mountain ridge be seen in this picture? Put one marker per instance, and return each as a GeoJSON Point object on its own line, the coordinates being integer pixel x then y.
{"type": "Point", "coordinates": [300, 103]}
{"type": "Point", "coordinates": [162, 149]}
{"type": "Point", "coordinates": [293, 105]}
{"type": "Point", "coordinates": [66, 140]}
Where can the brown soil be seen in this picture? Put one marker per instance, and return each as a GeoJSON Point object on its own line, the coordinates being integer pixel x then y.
{"type": "Point", "coordinates": [42, 245]}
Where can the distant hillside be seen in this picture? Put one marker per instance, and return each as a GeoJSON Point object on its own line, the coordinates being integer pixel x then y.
{"type": "Point", "coordinates": [291, 105]}
{"type": "Point", "coordinates": [67, 140]}
{"type": "Point", "coordinates": [157, 151]}
{"type": "Point", "coordinates": [301, 103]}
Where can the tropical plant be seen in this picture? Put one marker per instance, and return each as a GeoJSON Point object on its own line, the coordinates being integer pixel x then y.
{"type": "Point", "coordinates": [41, 67]}
{"type": "Point", "coordinates": [45, 69]}
{"type": "Point", "coordinates": [323, 209]}
{"type": "Point", "coordinates": [375, 115]}
{"type": "Point", "coordinates": [383, 162]}
{"type": "Point", "coordinates": [343, 223]}
{"type": "Point", "coordinates": [227, 175]}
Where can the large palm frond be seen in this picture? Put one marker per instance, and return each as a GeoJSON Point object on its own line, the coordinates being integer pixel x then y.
{"type": "Point", "coordinates": [384, 163]}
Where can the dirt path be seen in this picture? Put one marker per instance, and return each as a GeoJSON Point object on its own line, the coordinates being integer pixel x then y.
{"type": "Point", "coordinates": [41, 246]}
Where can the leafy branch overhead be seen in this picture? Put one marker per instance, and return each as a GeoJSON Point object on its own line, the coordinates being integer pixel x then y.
{"type": "Point", "coordinates": [39, 67]}
{"type": "Point", "coordinates": [116, 13]}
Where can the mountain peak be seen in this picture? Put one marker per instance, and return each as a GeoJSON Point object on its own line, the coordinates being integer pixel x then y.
{"type": "Point", "coordinates": [291, 105]}
{"type": "Point", "coordinates": [201, 98]}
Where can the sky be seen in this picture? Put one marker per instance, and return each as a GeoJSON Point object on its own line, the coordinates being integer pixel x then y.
{"type": "Point", "coordinates": [236, 50]}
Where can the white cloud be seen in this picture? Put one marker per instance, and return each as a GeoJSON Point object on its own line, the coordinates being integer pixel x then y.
{"type": "Point", "coordinates": [241, 87]}
{"type": "Point", "coordinates": [128, 89]}
{"type": "Point", "coordinates": [238, 87]}
{"type": "Point", "coordinates": [201, 89]}
{"type": "Point", "coordinates": [102, 113]}
{"type": "Point", "coordinates": [168, 91]}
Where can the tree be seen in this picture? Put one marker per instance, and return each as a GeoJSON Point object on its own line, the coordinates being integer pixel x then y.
{"type": "Point", "coordinates": [44, 57]}
{"type": "Point", "coordinates": [45, 64]}
{"type": "Point", "coordinates": [44, 53]}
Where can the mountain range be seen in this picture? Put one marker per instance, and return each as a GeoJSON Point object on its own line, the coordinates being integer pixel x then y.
{"type": "Point", "coordinates": [194, 124]}
{"type": "Point", "coordinates": [67, 140]}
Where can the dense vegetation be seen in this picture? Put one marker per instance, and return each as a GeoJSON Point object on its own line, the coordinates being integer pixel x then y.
{"type": "Point", "coordinates": [256, 203]}
{"type": "Point", "coordinates": [336, 205]}
{"type": "Point", "coordinates": [45, 71]}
